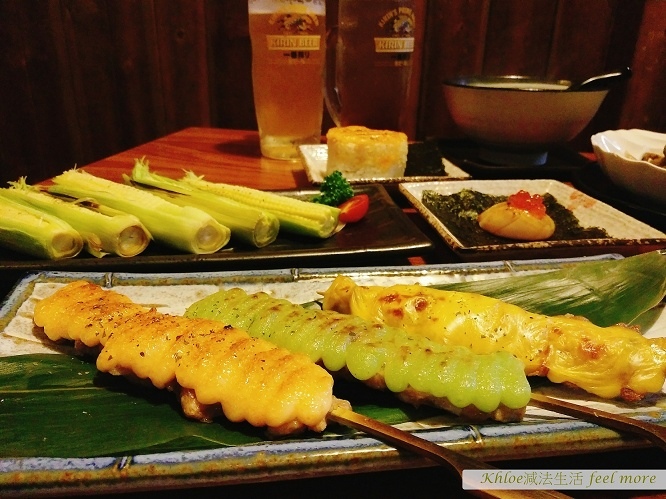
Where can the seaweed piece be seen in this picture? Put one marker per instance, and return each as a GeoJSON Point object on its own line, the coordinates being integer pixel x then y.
{"type": "Point", "coordinates": [459, 212]}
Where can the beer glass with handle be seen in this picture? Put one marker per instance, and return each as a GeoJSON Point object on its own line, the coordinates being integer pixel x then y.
{"type": "Point", "coordinates": [369, 63]}
{"type": "Point", "coordinates": [288, 52]}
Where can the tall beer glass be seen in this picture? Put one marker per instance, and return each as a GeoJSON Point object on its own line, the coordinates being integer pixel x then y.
{"type": "Point", "coordinates": [288, 53]}
{"type": "Point", "coordinates": [370, 63]}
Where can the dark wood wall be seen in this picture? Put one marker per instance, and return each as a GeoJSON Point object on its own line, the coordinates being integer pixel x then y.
{"type": "Point", "coordinates": [84, 79]}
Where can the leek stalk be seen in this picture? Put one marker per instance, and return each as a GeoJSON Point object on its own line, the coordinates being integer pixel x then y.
{"type": "Point", "coordinates": [104, 230]}
{"type": "Point", "coordinates": [185, 228]}
{"type": "Point", "coordinates": [250, 225]}
{"type": "Point", "coordinates": [28, 230]}
{"type": "Point", "coordinates": [295, 215]}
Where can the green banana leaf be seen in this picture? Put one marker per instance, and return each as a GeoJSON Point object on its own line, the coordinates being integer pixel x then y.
{"type": "Point", "coordinates": [61, 406]}
{"type": "Point", "coordinates": [606, 292]}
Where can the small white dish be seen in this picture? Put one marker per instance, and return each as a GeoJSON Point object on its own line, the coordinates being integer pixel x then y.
{"type": "Point", "coordinates": [619, 154]}
{"type": "Point", "coordinates": [626, 234]}
{"type": "Point", "coordinates": [315, 157]}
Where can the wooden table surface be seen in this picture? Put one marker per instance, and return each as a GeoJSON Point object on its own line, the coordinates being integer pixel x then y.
{"type": "Point", "coordinates": [230, 156]}
{"type": "Point", "coordinates": [233, 156]}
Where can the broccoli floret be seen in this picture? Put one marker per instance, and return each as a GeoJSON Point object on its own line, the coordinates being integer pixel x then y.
{"type": "Point", "coordinates": [335, 190]}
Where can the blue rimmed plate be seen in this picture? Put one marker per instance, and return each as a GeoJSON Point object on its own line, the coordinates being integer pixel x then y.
{"type": "Point", "coordinates": [331, 453]}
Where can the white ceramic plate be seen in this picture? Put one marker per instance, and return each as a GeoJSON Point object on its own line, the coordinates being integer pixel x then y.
{"type": "Point", "coordinates": [315, 158]}
{"type": "Point", "coordinates": [619, 154]}
{"type": "Point", "coordinates": [626, 233]}
{"type": "Point", "coordinates": [331, 454]}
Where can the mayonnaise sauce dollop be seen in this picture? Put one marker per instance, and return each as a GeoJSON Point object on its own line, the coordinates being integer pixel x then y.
{"type": "Point", "coordinates": [523, 217]}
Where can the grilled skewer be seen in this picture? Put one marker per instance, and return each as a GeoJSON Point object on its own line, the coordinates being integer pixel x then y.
{"type": "Point", "coordinates": [454, 461]}
{"type": "Point", "coordinates": [178, 353]}
{"type": "Point", "coordinates": [213, 368]}
{"type": "Point", "coordinates": [417, 370]}
{"type": "Point", "coordinates": [610, 362]}
{"type": "Point", "coordinates": [651, 431]}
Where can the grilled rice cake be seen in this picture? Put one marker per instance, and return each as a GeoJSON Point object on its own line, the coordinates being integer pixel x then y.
{"type": "Point", "coordinates": [360, 152]}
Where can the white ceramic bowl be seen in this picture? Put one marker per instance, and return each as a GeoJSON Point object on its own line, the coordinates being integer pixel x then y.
{"type": "Point", "coordinates": [619, 153]}
{"type": "Point", "coordinates": [518, 112]}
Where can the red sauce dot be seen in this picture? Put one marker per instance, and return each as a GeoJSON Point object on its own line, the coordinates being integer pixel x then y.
{"type": "Point", "coordinates": [420, 304]}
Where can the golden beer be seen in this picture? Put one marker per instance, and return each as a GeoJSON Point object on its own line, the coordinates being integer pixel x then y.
{"type": "Point", "coordinates": [372, 65]}
{"type": "Point", "coordinates": [288, 53]}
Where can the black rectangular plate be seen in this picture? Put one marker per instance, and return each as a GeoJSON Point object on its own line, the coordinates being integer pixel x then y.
{"type": "Point", "coordinates": [384, 232]}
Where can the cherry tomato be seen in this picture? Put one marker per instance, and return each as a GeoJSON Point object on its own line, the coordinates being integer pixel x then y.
{"type": "Point", "coordinates": [354, 209]}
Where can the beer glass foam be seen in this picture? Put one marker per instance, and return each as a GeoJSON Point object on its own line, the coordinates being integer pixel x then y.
{"type": "Point", "coordinates": [288, 52]}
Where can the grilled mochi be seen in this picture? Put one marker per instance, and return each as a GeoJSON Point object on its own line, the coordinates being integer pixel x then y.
{"type": "Point", "coordinates": [214, 368]}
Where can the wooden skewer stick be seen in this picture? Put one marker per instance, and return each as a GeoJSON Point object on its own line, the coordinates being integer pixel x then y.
{"type": "Point", "coordinates": [653, 432]}
{"type": "Point", "coordinates": [452, 460]}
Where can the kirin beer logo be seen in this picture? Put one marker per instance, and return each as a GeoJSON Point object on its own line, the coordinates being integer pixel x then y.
{"type": "Point", "coordinates": [295, 24]}
{"type": "Point", "coordinates": [295, 40]}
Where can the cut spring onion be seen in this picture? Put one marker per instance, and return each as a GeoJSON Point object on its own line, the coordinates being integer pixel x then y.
{"type": "Point", "coordinates": [104, 230]}
{"type": "Point", "coordinates": [183, 227]}
{"type": "Point", "coordinates": [28, 230]}
{"type": "Point", "coordinates": [295, 215]}
{"type": "Point", "coordinates": [248, 224]}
